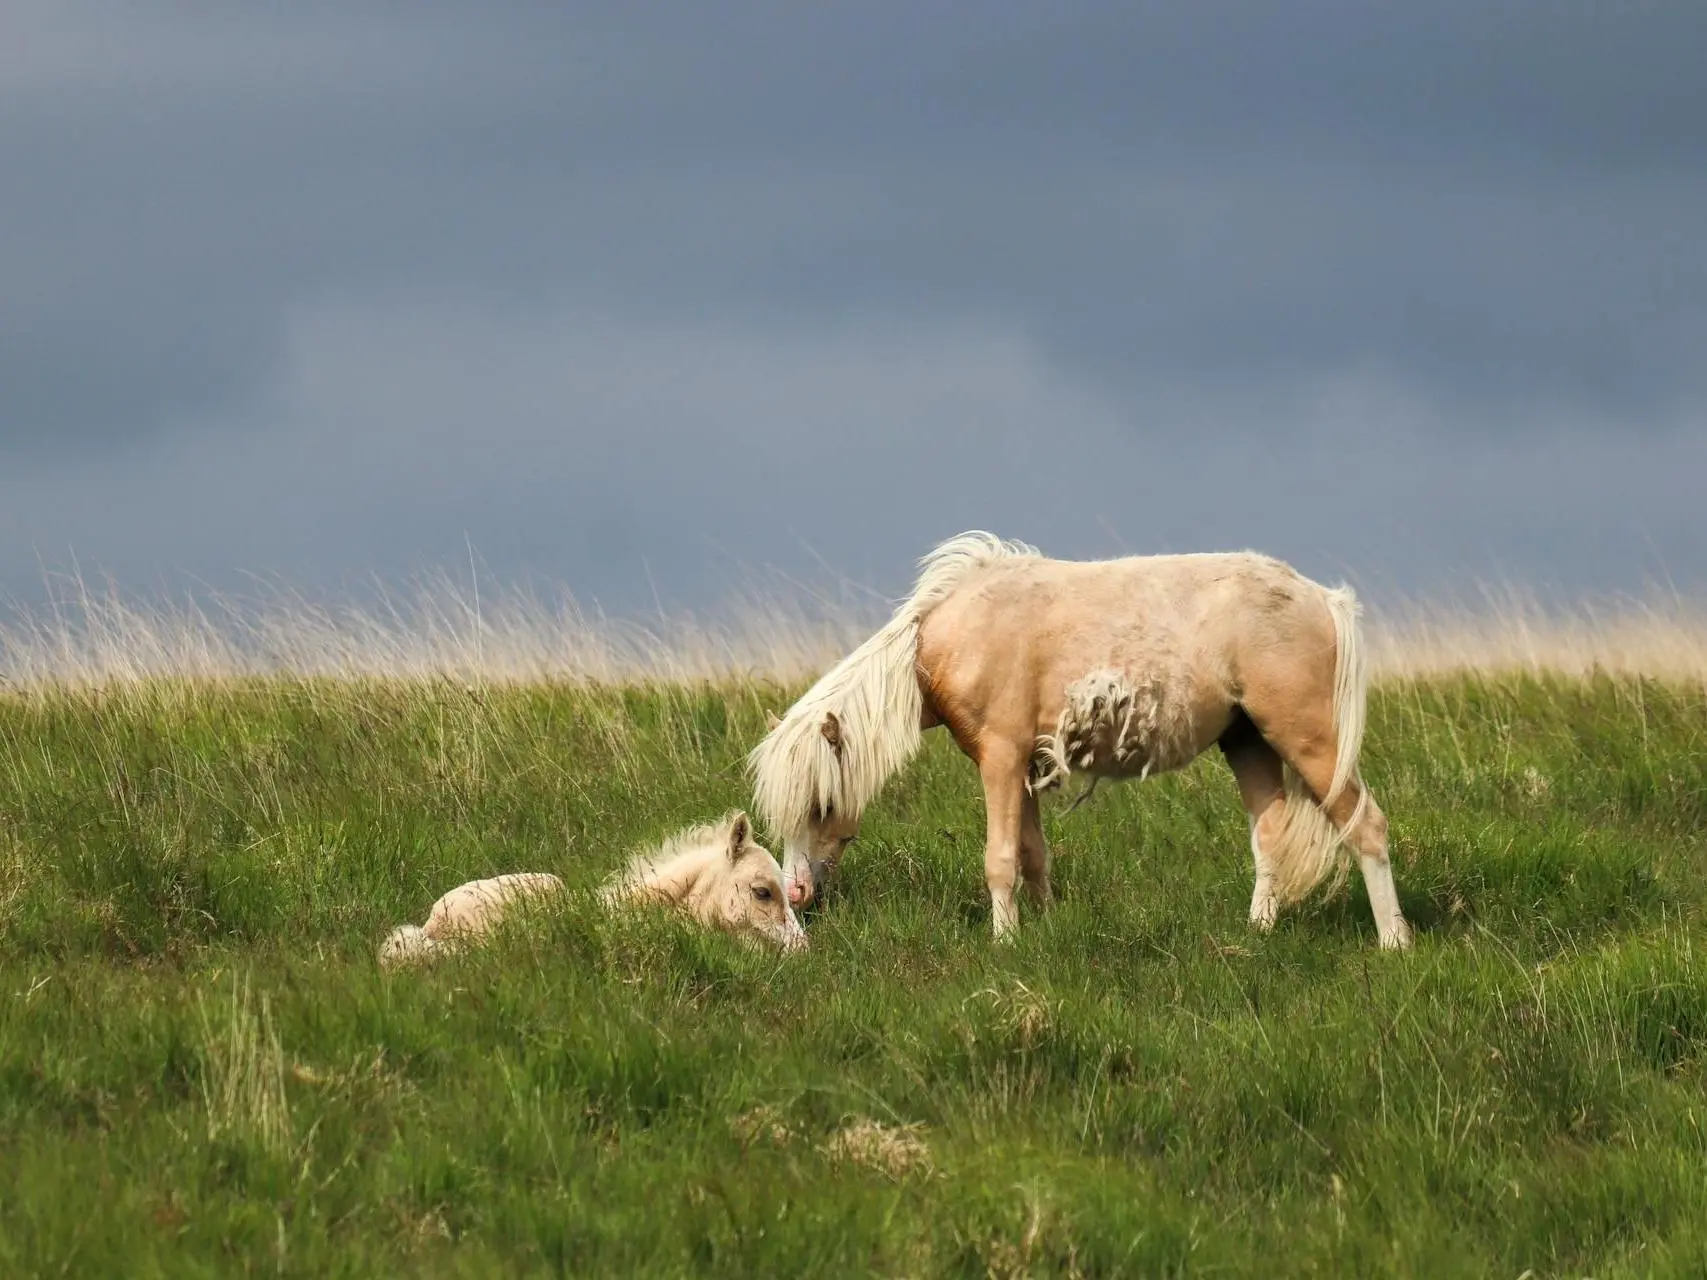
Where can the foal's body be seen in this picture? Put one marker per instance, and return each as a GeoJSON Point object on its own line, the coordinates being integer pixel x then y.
{"type": "Point", "coordinates": [1041, 668]}
{"type": "Point", "coordinates": [715, 873]}
{"type": "Point", "coordinates": [466, 912]}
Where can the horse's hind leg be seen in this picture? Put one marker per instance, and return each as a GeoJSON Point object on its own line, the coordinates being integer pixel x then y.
{"type": "Point", "coordinates": [1377, 870]}
{"type": "Point", "coordinates": [1311, 752]}
{"type": "Point", "coordinates": [1298, 724]}
{"type": "Point", "coordinates": [1257, 769]}
{"type": "Point", "coordinates": [1369, 839]}
{"type": "Point", "coordinates": [1033, 852]}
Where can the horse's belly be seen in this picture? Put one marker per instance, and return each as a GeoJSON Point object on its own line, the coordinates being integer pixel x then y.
{"type": "Point", "coordinates": [1121, 724]}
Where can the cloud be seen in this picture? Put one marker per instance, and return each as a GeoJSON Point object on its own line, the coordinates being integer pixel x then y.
{"type": "Point", "coordinates": [323, 286]}
{"type": "Point", "coordinates": [626, 459]}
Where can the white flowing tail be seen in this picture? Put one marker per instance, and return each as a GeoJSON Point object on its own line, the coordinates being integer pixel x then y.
{"type": "Point", "coordinates": [1309, 847]}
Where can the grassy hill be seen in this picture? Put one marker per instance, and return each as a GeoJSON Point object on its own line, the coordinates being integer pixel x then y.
{"type": "Point", "coordinates": [203, 1071]}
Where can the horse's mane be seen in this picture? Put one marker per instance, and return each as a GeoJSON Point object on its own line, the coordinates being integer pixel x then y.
{"type": "Point", "coordinates": [875, 695]}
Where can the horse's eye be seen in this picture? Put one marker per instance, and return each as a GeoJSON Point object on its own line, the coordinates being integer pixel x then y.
{"type": "Point", "coordinates": [762, 892]}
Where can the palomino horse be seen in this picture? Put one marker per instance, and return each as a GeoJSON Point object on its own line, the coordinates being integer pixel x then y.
{"type": "Point", "coordinates": [716, 873]}
{"type": "Point", "coordinates": [1041, 668]}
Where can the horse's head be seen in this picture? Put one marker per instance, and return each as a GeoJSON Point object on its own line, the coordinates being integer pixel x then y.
{"type": "Point", "coordinates": [754, 903]}
{"type": "Point", "coordinates": [811, 853]}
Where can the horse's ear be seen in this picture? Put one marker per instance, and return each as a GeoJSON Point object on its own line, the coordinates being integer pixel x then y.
{"type": "Point", "coordinates": [772, 720]}
{"type": "Point", "coordinates": [740, 831]}
{"type": "Point", "coordinates": [832, 730]}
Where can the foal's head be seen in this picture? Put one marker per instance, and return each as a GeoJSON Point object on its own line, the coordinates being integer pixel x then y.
{"type": "Point", "coordinates": [750, 899]}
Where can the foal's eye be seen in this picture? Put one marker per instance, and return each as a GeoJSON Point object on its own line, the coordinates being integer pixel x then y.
{"type": "Point", "coordinates": [762, 892]}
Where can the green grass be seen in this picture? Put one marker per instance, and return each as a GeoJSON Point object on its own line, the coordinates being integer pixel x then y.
{"type": "Point", "coordinates": [203, 1071]}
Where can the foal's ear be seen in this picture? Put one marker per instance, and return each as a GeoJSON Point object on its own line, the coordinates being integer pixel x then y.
{"type": "Point", "coordinates": [832, 731]}
{"type": "Point", "coordinates": [772, 720]}
{"type": "Point", "coordinates": [740, 831]}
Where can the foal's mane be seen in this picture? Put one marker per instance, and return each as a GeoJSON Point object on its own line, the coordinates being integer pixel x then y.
{"type": "Point", "coordinates": [684, 851]}
{"type": "Point", "coordinates": [875, 696]}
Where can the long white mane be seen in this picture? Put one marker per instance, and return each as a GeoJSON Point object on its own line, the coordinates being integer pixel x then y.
{"type": "Point", "coordinates": [875, 696]}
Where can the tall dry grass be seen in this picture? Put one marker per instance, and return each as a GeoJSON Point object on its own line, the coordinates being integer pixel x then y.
{"type": "Point", "coordinates": [440, 627]}
{"type": "Point", "coordinates": [437, 627]}
{"type": "Point", "coordinates": [1502, 630]}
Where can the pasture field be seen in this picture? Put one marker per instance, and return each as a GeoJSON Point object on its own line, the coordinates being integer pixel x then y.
{"type": "Point", "coordinates": [204, 1072]}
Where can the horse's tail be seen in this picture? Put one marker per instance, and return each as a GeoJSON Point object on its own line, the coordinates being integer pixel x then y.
{"type": "Point", "coordinates": [1309, 847]}
{"type": "Point", "coordinates": [406, 944]}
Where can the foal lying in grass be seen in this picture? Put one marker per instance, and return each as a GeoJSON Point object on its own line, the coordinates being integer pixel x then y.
{"type": "Point", "coordinates": [717, 873]}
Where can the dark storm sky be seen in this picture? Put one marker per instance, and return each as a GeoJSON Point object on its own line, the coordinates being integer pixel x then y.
{"type": "Point", "coordinates": [638, 297]}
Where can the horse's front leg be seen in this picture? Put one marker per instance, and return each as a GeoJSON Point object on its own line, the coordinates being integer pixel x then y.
{"type": "Point", "coordinates": [1034, 852]}
{"type": "Point", "coordinates": [1003, 774]}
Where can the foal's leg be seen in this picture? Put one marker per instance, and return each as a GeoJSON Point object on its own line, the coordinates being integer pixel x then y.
{"type": "Point", "coordinates": [1033, 852]}
{"type": "Point", "coordinates": [1258, 770]}
{"type": "Point", "coordinates": [1003, 773]}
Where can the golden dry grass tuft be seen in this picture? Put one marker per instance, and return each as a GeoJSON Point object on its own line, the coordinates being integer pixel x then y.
{"type": "Point", "coordinates": [895, 1151]}
{"type": "Point", "coordinates": [761, 1124]}
{"type": "Point", "coordinates": [243, 1072]}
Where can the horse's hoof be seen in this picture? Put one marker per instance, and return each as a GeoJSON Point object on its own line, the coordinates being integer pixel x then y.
{"type": "Point", "coordinates": [1398, 940]}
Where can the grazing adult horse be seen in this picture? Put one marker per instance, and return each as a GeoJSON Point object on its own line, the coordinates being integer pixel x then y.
{"type": "Point", "coordinates": [1042, 668]}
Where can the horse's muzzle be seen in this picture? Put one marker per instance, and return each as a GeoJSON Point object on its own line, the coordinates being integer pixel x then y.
{"type": "Point", "coordinates": [802, 892]}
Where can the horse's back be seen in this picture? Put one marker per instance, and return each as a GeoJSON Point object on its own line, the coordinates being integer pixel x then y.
{"type": "Point", "coordinates": [1190, 600]}
{"type": "Point", "coordinates": [1017, 634]}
